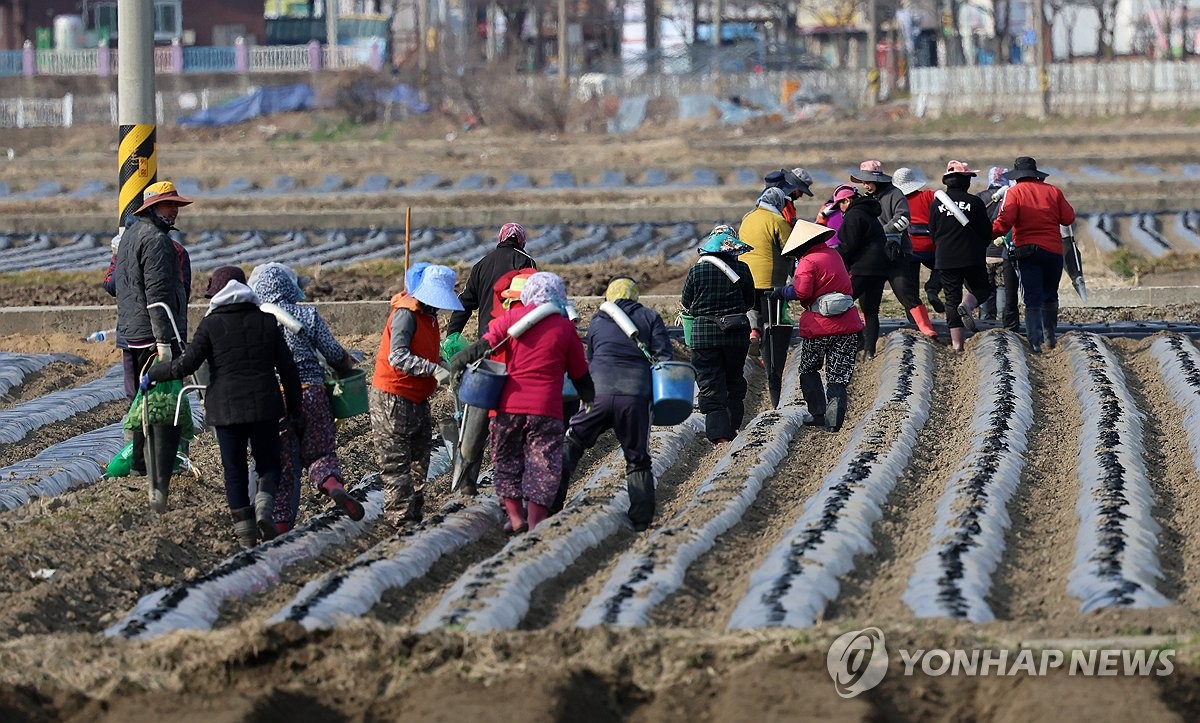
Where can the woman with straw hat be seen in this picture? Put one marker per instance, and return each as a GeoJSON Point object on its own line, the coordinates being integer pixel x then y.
{"type": "Point", "coordinates": [829, 325]}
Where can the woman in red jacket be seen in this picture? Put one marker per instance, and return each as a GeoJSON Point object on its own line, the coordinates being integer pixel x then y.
{"type": "Point", "coordinates": [1033, 210]}
{"type": "Point", "coordinates": [829, 325]}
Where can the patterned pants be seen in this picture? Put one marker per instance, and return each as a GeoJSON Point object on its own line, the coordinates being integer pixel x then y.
{"type": "Point", "coordinates": [528, 456]}
{"type": "Point", "coordinates": [315, 452]}
{"type": "Point", "coordinates": [835, 353]}
{"type": "Point", "coordinates": [403, 441]}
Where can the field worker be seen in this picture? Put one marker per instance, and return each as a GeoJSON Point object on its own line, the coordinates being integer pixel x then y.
{"type": "Point", "coordinates": [527, 433]}
{"type": "Point", "coordinates": [312, 444]}
{"type": "Point", "coordinates": [1033, 210]}
{"type": "Point", "coordinates": [911, 183]}
{"type": "Point", "coordinates": [151, 268]}
{"type": "Point", "coordinates": [1003, 270]}
{"type": "Point", "coordinates": [961, 254]}
{"type": "Point", "coordinates": [764, 230]}
{"type": "Point", "coordinates": [509, 255]}
{"type": "Point", "coordinates": [407, 374]}
{"type": "Point", "coordinates": [621, 374]}
{"type": "Point", "coordinates": [894, 262]}
{"type": "Point", "coordinates": [717, 293]}
{"type": "Point", "coordinates": [829, 325]}
{"type": "Point", "coordinates": [244, 348]}
{"type": "Point", "coordinates": [830, 214]}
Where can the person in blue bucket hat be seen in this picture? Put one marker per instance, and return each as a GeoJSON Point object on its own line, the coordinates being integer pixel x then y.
{"type": "Point", "coordinates": [717, 293]}
{"type": "Point", "coordinates": [621, 373]}
{"type": "Point", "coordinates": [407, 373]}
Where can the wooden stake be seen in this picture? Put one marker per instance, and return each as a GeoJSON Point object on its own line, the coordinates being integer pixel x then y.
{"type": "Point", "coordinates": [407, 234]}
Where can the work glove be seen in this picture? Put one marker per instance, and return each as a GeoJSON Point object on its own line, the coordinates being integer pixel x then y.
{"type": "Point", "coordinates": [164, 352]}
{"type": "Point", "coordinates": [146, 383]}
{"type": "Point", "coordinates": [777, 294]}
{"type": "Point", "coordinates": [892, 248]}
{"type": "Point", "coordinates": [442, 374]}
{"type": "Point", "coordinates": [345, 367]}
{"type": "Point", "coordinates": [478, 350]}
{"type": "Point", "coordinates": [586, 389]}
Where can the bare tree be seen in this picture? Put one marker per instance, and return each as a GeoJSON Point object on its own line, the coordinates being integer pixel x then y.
{"type": "Point", "coordinates": [1106, 17]}
{"type": "Point", "coordinates": [1001, 15]}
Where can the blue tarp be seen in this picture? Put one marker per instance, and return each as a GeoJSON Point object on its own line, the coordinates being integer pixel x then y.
{"type": "Point", "coordinates": [408, 98]}
{"type": "Point", "coordinates": [265, 101]}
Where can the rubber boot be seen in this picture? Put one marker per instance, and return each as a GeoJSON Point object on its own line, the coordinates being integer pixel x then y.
{"type": "Point", "coordinates": [717, 427]}
{"type": "Point", "coordinates": [814, 396]}
{"type": "Point", "coordinates": [535, 514]}
{"type": "Point", "coordinates": [640, 484]}
{"type": "Point", "coordinates": [958, 337]}
{"type": "Point", "coordinates": [572, 453]}
{"type": "Point", "coordinates": [920, 316]}
{"type": "Point", "coordinates": [1050, 323]}
{"type": "Point", "coordinates": [870, 336]}
{"type": "Point", "coordinates": [161, 444]}
{"type": "Point", "coordinates": [1033, 325]}
{"type": "Point", "coordinates": [835, 407]}
{"type": "Point", "coordinates": [516, 515]}
{"type": "Point", "coordinates": [282, 527]}
{"type": "Point", "coordinates": [737, 412]}
{"type": "Point", "coordinates": [244, 526]}
{"type": "Point", "coordinates": [264, 504]}
{"type": "Point", "coordinates": [342, 498]}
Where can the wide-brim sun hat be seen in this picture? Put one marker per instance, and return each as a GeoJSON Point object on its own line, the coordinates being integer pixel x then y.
{"type": "Point", "coordinates": [908, 180]}
{"type": "Point", "coordinates": [437, 289]}
{"type": "Point", "coordinates": [959, 168]}
{"type": "Point", "coordinates": [870, 172]}
{"type": "Point", "coordinates": [161, 192]}
{"type": "Point", "coordinates": [412, 277]}
{"type": "Point", "coordinates": [722, 240]}
{"type": "Point", "coordinates": [804, 235]}
{"type": "Point", "coordinates": [806, 180]}
{"type": "Point", "coordinates": [1025, 167]}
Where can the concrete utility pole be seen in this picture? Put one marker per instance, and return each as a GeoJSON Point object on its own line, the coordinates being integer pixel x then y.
{"type": "Point", "coordinates": [564, 78]}
{"type": "Point", "coordinates": [331, 15]}
{"type": "Point", "coordinates": [872, 56]}
{"type": "Point", "coordinates": [1039, 30]}
{"type": "Point", "coordinates": [138, 155]}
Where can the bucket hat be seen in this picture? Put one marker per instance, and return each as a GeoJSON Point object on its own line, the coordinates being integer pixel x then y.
{"type": "Point", "coordinates": [160, 192]}
{"type": "Point", "coordinates": [437, 289]}
{"type": "Point", "coordinates": [722, 240]}
{"type": "Point", "coordinates": [805, 234]}
{"type": "Point", "coordinates": [908, 180]}
{"type": "Point", "coordinates": [806, 180]}
{"type": "Point", "coordinates": [958, 168]}
{"type": "Point", "coordinates": [1025, 167]}
{"type": "Point", "coordinates": [870, 172]}
{"type": "Point", "coordinates": [412, 277]}
{"type": "Point", "coordinates": [513, 231]}
{"type": "Point", "coordinates": [221, 276]}
{"type": "Point", "coordinates": [782, 179]}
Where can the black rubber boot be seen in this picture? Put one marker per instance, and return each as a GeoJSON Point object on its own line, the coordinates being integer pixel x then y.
{"type": "Point", "coordinates": [160, 463]}
{"type": "Point", "coordinates": [717, 427]}
{"type": "Point", "coordinates": [870, 336]}
{"type": "Point", "coordinates": [814, 396]}
{"type": "Point", "coordinates": [737, 412]}
{"type": "Point", "coordinates": [640, 484]}
{"type": "Point", "coordinates": [1033, 326]}
{"type": "Point", "coordinates": [1050, 323]}
{"type": "Point", "coordinates": [835, 408]}
{"type": "Point", "coordinates": [264, 505]}
{"type": "Point", "coordinates": [245, 526]}
{"type": "Point", "coordinates": [572, 453]}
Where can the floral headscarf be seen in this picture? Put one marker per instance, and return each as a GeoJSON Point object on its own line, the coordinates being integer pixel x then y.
{"type": "Point", "coordinates": [996, 177]}
{"type": "Point", "coordinates": [723, 240]}
{"type": "Point", "coordinates": [276, 283]}
{"type": "Point", "coordinates": [621, 287]}
{"type": "Point", "coordinates": [544, 287]}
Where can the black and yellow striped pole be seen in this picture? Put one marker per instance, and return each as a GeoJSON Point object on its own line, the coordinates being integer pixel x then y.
{"type": "Point", "coordinates": [138, 156]}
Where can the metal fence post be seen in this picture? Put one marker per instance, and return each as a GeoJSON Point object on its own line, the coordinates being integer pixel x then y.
{"type": "Point", "coordinates": [103, 61]}
{"type": "Point", "coordinates": [68, 110]}
{"type": "Point", "coordinates": [314, 55]}
{"type": "Point", "coordinates": [241, 56]}
{"type": "Point", "coordinates": [28, 60]}
{"type": "Point", "coordinates": [20, 112]}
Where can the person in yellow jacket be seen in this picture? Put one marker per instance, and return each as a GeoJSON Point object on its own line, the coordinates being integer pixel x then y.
{"type": "Point", "coordinates": [765, 230]}
{"type": "Point", "coordinates": [407, 374]}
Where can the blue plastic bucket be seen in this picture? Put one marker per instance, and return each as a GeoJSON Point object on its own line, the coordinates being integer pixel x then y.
{"type": "Point", "coordinates": [674, 386]}
{"type": "Point", "coordinates": [482, 383]}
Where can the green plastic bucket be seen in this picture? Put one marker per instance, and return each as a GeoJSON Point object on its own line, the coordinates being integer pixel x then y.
{"type": "Point", "coordinates": [687, 329]}
{"type": "Point", "coordinates": [348, 395]}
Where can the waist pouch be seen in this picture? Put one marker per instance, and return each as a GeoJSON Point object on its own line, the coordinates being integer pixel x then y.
{"type": "Point", "coordinates": [835, 303]}
{"type": "Point", "coordinates": [918, 229]}
{"type": "Point", "coordinates": [1023, 252]}
{"type": "Point", "coordinates": [729, 321]}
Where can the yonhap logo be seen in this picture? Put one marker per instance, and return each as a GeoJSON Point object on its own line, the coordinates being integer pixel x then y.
{"type": "Point", "coordinates": [857, 661]}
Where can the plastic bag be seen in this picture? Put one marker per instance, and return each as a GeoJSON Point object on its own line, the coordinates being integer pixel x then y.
{"type": "Point", "coordinates": [160, 406]}
{"type": "Point", "coordinates": [453, 344]}
{"type": "Point", "coordinates": [122, 463]}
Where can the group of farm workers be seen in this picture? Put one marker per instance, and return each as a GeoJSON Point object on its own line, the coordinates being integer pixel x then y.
{"type": "Point", "coordinates": [264, 358]}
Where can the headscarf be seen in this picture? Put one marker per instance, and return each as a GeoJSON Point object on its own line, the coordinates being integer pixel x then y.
{"type": "Point", "coordinates": [412, 277]}
{"type": "Point", "coordinates": [773, 199]}
{"type": "Point", "coordinates": [233, 292]}
{"type": "Point", "coordinates": [621, 287]}
{"type": "Point", "coordinates": [513, 231]}
{"type": "Point", "coordinates": [996, 177]}
{"type": "Point", "coordinates": [723, 240]}
{"type": "Point", "coordinates": [544, 287]}
{"type": "Point", "coordinates": [276, 283]}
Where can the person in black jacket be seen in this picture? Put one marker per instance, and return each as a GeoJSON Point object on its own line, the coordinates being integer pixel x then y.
{"type": "Point", "coordinates": [509, 255]}
{"type": "Point", "coordinates": [960, 249]}
{"type": "Point", "coordinates": [244, 348]}
{"type": "Point", "coordinates": [621, 373]}
{"type": "Point", "coordinates": [861, 242]}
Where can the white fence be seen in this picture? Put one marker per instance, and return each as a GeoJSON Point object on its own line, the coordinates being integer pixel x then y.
{"type": "Point", "coordinates": [279, 58]}
{"type": "Point", "coordinates": [1075, 89]}
{"type": "Point", "coordinates": [69, 110]}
